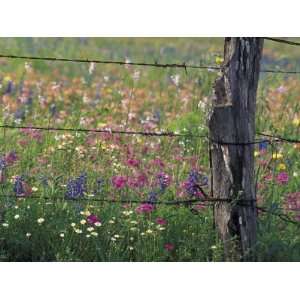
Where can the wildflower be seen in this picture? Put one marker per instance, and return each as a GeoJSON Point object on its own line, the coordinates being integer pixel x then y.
{"type": "Point", "coordinates": [152, 197]}
{"type": "Point", "coordinates": [99, 186]}
{"type": "Point", "coordinates": [130, 248]}
{"type": "Point", "coordinates": [90, 229]}
{"type": "Point", "coordinates": [219, 60]}
{"type": "Point", "coordinates": [34, 189]}
{"type": "Point", "coordinates": [85, 213]}
{"type": "Point", "coordinates": [277, 155]}
{"type": "Point", "coordinates": [163, 180]}
{"type": "Point", "coordinates": [28, 234]}
{"type": "Point", "coordinates": [78, 230]}
{"type": "Point", "coordinates": [127, 212]}
{"type": "Point", "coordinates": [119, 181]}
{"type": "Point", "coordinates": [17, 217]}
{"type": "Point", "coordinates": [145, 208]}
{"type": "Point", "coordinates": [149, 231]}
{"type": "Point", "coordinates": [3, 163]}
{"type": "Point", "coordinates": [98, 224]}
{"type": "Point", "coordinates": [111, 221]}
{"type": "Point", "coordinates": [131, 238]}
{"type": "Point", "coordinates": [82, 222]}
{"type": "Point", "coordinates": [77, 187]}
{"type": "Point", "coordinates": [133, 222]}
{"type": "Point", "coordinates": [161, 221]}
{"type": "Point", "coordinates": [21, 188]}
{"type": "Point", "coordinates": [175, 79]}
{"type": "Point", "coordinates": [73, 224]}
{"type": "Point", "coordinates": [256, 153]}
{"type": "Point", "coordinates": [116, 236]}
{"type": "Point", "coordinates": [10, 158]}
{"type": "Point", "coordinates": [169, 246]}
{"type": "Point", "coordinates": [193, 182]}
{"type": "Point", "coordinates": [92, 68]}
{"type": "Point", "coordinates": [41, 220]}
{"type": "Point", "coordinates": [262, 146]}
{"type": "Point", "coordinates": [113, 239]}
{"type": "Point", "coordinates": [281, 167]}
{"type": "Point", "coordinates": [296, 122]}
{"type": "Point", "coordinates": [282, 178]}
{"type": "Point", "coordinates": [133, 162]}
{"type": "Point", "coordinates": [5, 224]}
{"type": "Point", "coordinates": [88, 235]}
{"type": "Point", "coordinates": [94, 233]}
{"type": "Point", "coordinates": [62, 235]}
{"type": "Point", "coordinates": [93, 219]}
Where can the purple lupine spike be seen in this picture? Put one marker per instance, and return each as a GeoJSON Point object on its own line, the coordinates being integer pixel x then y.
{"type": "Point", "coordinates": [19, 186]}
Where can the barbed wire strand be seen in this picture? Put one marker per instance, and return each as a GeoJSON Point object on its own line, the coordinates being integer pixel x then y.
{"type": "Point", "coordinates": [282, 41]}
{"type": "Point", "coordinates": [206, 201]}
{"type": "Point", "coordinates": [273, 138]}
{"type": "Point", "coordinates": [142, 64]}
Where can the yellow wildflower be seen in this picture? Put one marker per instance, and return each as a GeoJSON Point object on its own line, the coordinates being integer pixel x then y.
{"type": "Point", "coordinates": [219, 60]}
{"type": "Point", "coordinates": [281, 167]}
{"type": "Point", "coordinates": [296, 122]}
{"type": "Point", "coordinates": [277, 156]}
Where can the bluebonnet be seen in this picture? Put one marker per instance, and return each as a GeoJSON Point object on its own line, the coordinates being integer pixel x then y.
{"type": "Point", "coordinates": [9, 88]}
{"type": "Point", "coordinates": [152, 197]}
{"type": "Point", "coordinates": [163, 181]}
{"type": "Point", "coordinates": [53, 109]}
{"type": "Point", "coordinates": [262, 146]}
{"type": "Point", "coordinates": [2, 163]}
{"type": "Point", "coordinates": [19, 114]}
{"type": "Point", "coordinates": [195, 179]}
{"type": "Point", "coordinates": [99, 186]}
{"type": "Point", "coordinates": [77, 187]}
{"type": "Point", "coordinates": [19, 186]}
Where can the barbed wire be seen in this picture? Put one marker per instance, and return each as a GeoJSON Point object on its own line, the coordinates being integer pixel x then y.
{"type": "Point", "coordinates": [206, 201]}
{"type": "Point", "coordinates": [282, 41]}
{"type": "Point", "coordinates": [273, 138]}
{"type": "Point", "coordinates": [142, 64]}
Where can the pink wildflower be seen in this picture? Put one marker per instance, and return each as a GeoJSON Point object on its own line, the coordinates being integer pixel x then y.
{"type": "Point", "coordinates": [169, 246]}
{"type": "Point", "coordinates": [11, 157]}
{"type": "Point", "coordinates": [92, 219]}
{"type": "Point", "coordinates": [161, 221]}
{"type": "Point", "coordinates": [282, 178]}
{"type": "Point", "coordinates": [133, 162]}
{"type": "Point", "coordinates": [145, 208]}
{"type": "Point", "coordinates": [119, 181]}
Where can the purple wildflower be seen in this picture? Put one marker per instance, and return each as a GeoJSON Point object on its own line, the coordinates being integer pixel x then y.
{"type": "Point", "coordinates": [163, 181]}
{"type": "Point", "coordinates": [77, 187]}
{"type": "Point", "coordinates": [195, 179]}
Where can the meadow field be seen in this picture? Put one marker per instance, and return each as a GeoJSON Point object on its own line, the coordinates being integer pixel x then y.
{"type": "Point", "coordinates": [88, 196]}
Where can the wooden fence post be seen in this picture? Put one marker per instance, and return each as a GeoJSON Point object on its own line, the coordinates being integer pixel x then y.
{"type": "Point", "coordinates": [233, 121]}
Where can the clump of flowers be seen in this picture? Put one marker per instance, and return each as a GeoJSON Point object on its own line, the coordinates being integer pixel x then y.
{"type": "Point", "coordinates": [77, 187]}
{"type": "Point", "coordinates": [145, 208]}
